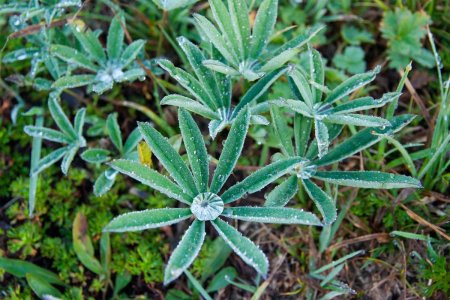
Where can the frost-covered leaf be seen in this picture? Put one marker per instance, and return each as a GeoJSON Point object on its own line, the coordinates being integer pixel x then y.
{"type": "Point", "coordinates": [317, 72]}
{"type": "Point", "coordinates": [73, 56]}
{"type": "Point", "coordinates": [131, 52]}
{"type": "Point", "coordinates": [231, 150]}
{"type": "Point", "coordinates": [68, 82]}
{"type": "Point", "coordinates": [151, 178]}
{"type": "Point", "coordinates": [105, 182]}
{"type": "Point", "coordinates": [275, 215]}
{"type": "Point", "coordinates": [131, 75]}
{"type": "Point", "coordinates": [49, 160]}
{"type": "Point", "coordinates": [242, 246]}
{"type": "Point", "coordinates": [279, 60]}
{"type": "Point", "coordinates": [146, 219]}
{"type": "Point", "coordinates": [363, 139]}
{"type": "Point", "coordinates": [95, 155]}
{"type": "Point", "coordinates": [357, 120]}
{"type": "Point", "coordinates": [281, 130]}
{"type": "Point", "coordinates": [190, 105]}
{"type": "Point", "coordinates": [90, 44]}
{"type": "Point", "coordinates": [60, 118]}
{"type": "Point", "coordinates": [284, 192]}
{"type": "Point", "coordinates": [261, 178]}
{"type": "Point", "coordinates": [195, 148]}
{"type": "Point", "coordinates": [68, 158]}
{"type": "Point", "coordinates": [241, 24]}
{"type": "Point", "coordinates": [186, 251]}
{"type": "Point", "coordinates": [133, 139]}
{"type": "Point", "coordinates": [47, 134]}
{"type": "Point", "coordinates": [302, 132]}
{"type": "Point", "coordinates": [264, 23]}
{"type": "Point", "coordinates": [20, 54]}
{"type": "Point", "coordinates": [351, 84]}
{"type": "Point", "coordinates": [114, 42]}
{"type": "Point", "coordinates": [302, 85]}
{"type": "Point", "coordinates": [169, 158]}
{"type": "Point", "coordinates": [114, 133]}
{"type": "Point", "coordinates": [368, 179]}
{"type": "Point", "coordinates": [79, 122]}
{"type": "Point", "coordinates": [365, 103]}
{"type": "Point", "coordinates": [322, 200]}
{"type": "Point", "coordinates": [322, 137]}
{"type": "Point", "coordinates": [220, 67]}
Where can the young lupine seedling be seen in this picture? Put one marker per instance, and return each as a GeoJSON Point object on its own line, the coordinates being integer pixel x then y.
{"type": "Point", "coordinates": [310, 168]}
{"type": "Point", "coordinates": [205, 200]}
{"type": "Point", "coordinates": [70, 136]}
{"type": "Point", "coordinates": [212, 90]}
{"type": "Point", "coordinates": [308, 89]}
{"type": "Point", "coordinates": [244, 49]}
{"type": "Point", "coordinates": [111, 65]}
{"type": "Point", "coordinates": [98, 155]}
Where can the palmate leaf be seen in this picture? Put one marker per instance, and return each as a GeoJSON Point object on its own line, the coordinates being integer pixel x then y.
{"type": "Point", "coordinates": [242, 246]}
{"type": "Point", "coordinates": [362, 140]}
{"type": "Point", "coordinates": [169, 158]}
{"type": "Point", "coordinates": [322, 200]}
{"type": "Point", "coordinates": [231, 150]}
{"type": "Point", "coordinates": [195, 148]}
{"type": "Point", "coordinates": [275, 215]}
{"type": "Point", "coordinates": [151, 178]}
{"type": "Point", "coordinates": [146, 219]}
{"type": "Point", "coordinates": [368, 179]}
{"type": "Point", "coordinates": [186, 251]}
{"type": "Point", "coordinates": [261, 178]}
{"type": "Point", "coordinates": [284, 192]}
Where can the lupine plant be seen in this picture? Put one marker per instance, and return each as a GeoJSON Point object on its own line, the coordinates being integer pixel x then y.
{"type": "Point", "coordinates": [308, 89]}
{"type": "Point", "coordinates": [212, 90]}
{"type": "Point", "coordinates": [191, 187]}
{"type": "Point", "coordinates": [245, 49]}
{"type": "Point", "coordinates": [116, 63]}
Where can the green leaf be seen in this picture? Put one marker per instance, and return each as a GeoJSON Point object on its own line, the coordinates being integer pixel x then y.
{"type": "Point", "coordinates": [368, 179]}
{"type": "Point", "coordinates": [188, 81]}
{"type": "Point", "coordinates": [213, 35]}
{"type": "Point", "coordinates": [352, 60]}
{"type": "Point", "coordinates": [146, 219]}
{"type": "Point", "coordinates": [169, 158]}
{"type": "Point", "coordinates": [281, 130]}
{"type": "Point", "coordinates": [47, 134]}
{"type": "Point", "coordinates": [114, 133]}
{"type": "Point", "coordinates": [79, 122]}
{"type": "Point", "coordinates": [351, 84]}
{"type": "Point", "coordinates": [20, 268]}
{"type": "Point", "coordinates": [322, 200]}
{"type": "Point", "coordinates": [317, 71]}
{"type": "Point", "coordinates": [297, 42]}
{"type": "Point", "coordinates": [265, 20]}
{"type": "Point", "coordinates": [222, 279]}
{"type": "Point", "coordinates": [365, 103]}
{"type": "Point", "coordinates": [19, 55]}
{"type": "Point", "coordinates": [261, 178]}
{"type": "Point", "coordinates": [191, 105]}
{"type": "Point", "coordinates": [68, 157]}
{"type": "Point", "coordinates": [357, 120]}
{"type": "Point", "coordinates": [73, 56]}
{"type": "Point", "coordinates": [279, 60]}
{"type": "Point", "coordinates": [356, 36]}
{"type": "Point", "coordinates": [131, 75]}
{"type": "Point", "coordinates": [41, 287]}
{"type": "Point", "coordinates": [60, 118]}
{"type": "Point", "coordinates": [204, 75]}
{"type": "Point", "coordinates": [242, 246]}
{"type": "Point", "coordinates": [114, 42]}
{"type": "Point", "coordinates": [218, 252]}
{"type": "Point", "coordinates": [186, 251]}
{"type": "Point", "coordinates": [49, 160]}
{"type": "Point", "coordinates": [82, 244]}
{"type": "Point", "coordinates": [151, 178]}
{"type": "Point", "coordinates": [68, 82]}
{"type": "Point", "coordinates": [132, 141]}
{"type": "Point", "coordinates": [303, 86]}
{"type": "Point", "coordinates": [322, 137]}
{"type": "Point", "coordinates": [302, 132]}
{"type": "Point", "coordinates": [241, 24]}
{"type": "Point", "coordinates": [95, 155]}
{"type": "Point", "coordinates": [284, 192]}
{"type": "Point", "coordinates": [90, 44]}
{"type": "Point", "coordinates": [362, 140]}
{"type": "Point", "coordinates": [220, 67]}
{"type": "Point", "coordinates": [104, 182]}
{"type": "Point", "coordinates": [275, 215]}
{"type": "Point", "coordinates": [131, 52]}
{"type": "Point", "coordinates": [258, 89]}
{"type": "Point", "coordinates": [231, 150]}
{"type": "Point", "coordinates": [195, 148]}
{"type": "Point", "coordinates": [105, 253]}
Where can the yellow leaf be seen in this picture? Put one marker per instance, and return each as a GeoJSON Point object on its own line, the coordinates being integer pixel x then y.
{"type": "Point", "coordinates": [145, 154]}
